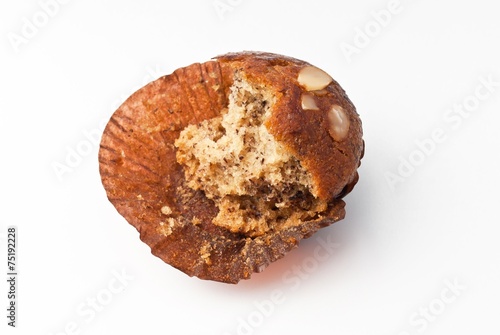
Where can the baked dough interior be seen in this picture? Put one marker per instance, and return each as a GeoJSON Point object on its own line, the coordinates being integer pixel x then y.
{"type": "Point", "coordinates": [257, 185]}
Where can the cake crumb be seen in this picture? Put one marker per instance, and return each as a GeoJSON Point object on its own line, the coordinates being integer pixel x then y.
{"type": "Point", "coordinates": [205, 253]}
{"type": "Point", "coordinates": [166, 210]}
{"type": "Point", "coordinates": [255, 182]}
{"type": "Point", "coordinates": [165, 228]}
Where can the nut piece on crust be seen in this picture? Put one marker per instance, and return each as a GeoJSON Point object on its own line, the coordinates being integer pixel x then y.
{"type": "Point", "coordinates": [223, 167]}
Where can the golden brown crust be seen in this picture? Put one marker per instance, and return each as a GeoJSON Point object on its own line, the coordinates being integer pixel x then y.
{"type": "Point", "coordinates": [139, 171]}
{"type": "Point", "coordinates": [305, 134]}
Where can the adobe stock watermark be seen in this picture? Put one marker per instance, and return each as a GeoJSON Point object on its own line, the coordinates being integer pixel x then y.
{"type": "Point", "coordinates": [76, 154]}
{"type": "Point", "coordinates": [430, 312]}
{"type": "Point", "coordinates": [92, 305]}
{"type": "Point", "coordinates": [364, 35]}
{"type": "Point", "coordinates": [31, 26]}
{"type": "Point", "coordinates": [293, 278]}
{"type": "Point", "coordinates": [90, 138]}
{"type": "Point", "coordinates": [453, 119]}
{"type": "Point", "coordinates": [222, 7]}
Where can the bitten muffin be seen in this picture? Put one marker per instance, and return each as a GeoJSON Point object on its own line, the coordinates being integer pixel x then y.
{"type": "Point", "coordinates": [223, 167]}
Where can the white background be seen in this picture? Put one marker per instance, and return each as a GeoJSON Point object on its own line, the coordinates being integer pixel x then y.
{"type": "Point", "coordinates": [403, 243]}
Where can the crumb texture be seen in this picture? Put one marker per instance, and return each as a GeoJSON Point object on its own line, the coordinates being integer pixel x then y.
{"type": "Point", "coordinates": [254, 181]}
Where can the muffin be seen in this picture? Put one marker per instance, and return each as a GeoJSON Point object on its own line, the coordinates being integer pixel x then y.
{"type": "Point", "coordinates": [223, 167]}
